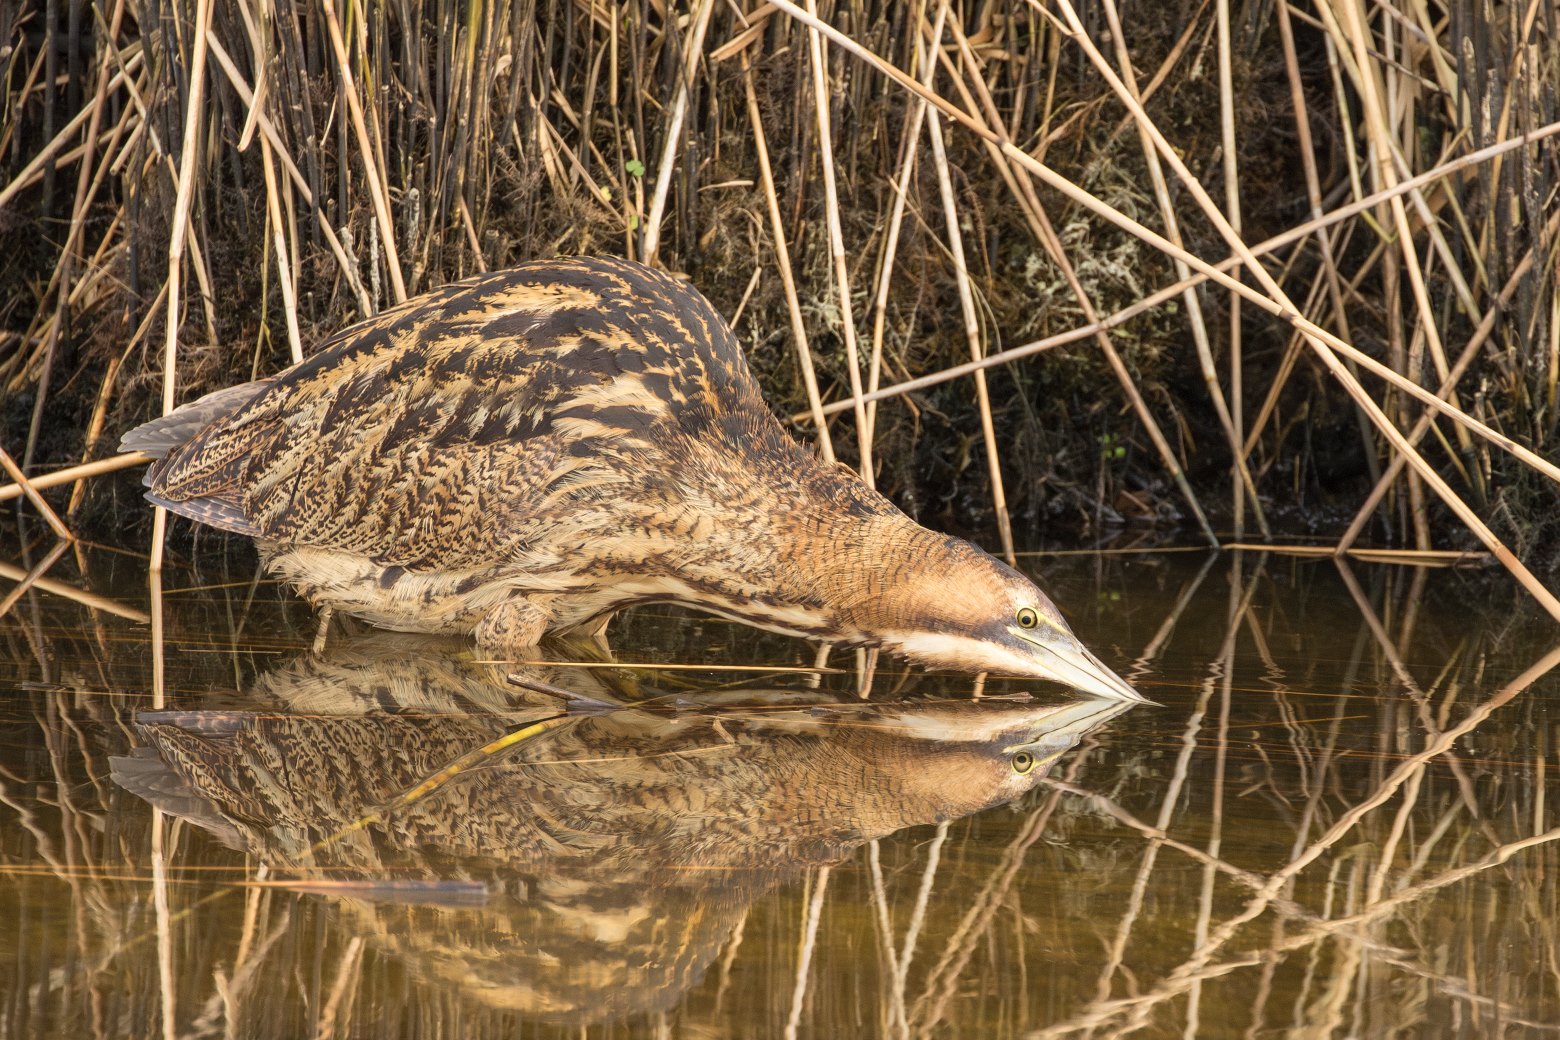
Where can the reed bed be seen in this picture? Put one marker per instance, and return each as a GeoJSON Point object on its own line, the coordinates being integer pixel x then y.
{"type": "Point", "coordinates": [1241, 268]}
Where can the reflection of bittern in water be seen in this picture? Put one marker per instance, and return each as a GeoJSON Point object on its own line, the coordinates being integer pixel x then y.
{"type": "Point", "coordinates": [617, 851]}
{"type": "Point", "coordinates": [532, 450]}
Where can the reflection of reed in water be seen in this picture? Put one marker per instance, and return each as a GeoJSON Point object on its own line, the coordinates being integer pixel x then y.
{"type": "Point", "coordinates": [596, 866]}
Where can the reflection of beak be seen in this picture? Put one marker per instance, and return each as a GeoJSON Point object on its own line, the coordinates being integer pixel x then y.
{"type": "Point", "coordinates": [1065, 725]}
{"type": "Point", "coordinates": [1073, 665]}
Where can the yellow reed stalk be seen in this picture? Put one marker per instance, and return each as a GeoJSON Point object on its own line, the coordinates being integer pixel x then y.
{"type": "Point", "coordinates": [820, 79]}
{"type": "Point", "coordinates": [377, 192]}
{"type": "Point", "coordinates": [787, 278]}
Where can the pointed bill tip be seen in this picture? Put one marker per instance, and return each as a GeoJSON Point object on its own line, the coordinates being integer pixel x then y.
{"type": "Point", "coordinates": [1085, 673]}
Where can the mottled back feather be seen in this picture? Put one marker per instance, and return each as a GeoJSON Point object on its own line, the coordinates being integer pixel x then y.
{"type": "Point", "coordinates": [472, 407]}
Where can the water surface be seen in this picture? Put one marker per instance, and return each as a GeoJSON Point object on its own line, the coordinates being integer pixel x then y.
{"type": "Point", "coordinates": [1337, 820]}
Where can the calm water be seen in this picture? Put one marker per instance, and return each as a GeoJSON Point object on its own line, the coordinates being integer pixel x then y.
{"type": "Point", "coordinates": [1338, 821]}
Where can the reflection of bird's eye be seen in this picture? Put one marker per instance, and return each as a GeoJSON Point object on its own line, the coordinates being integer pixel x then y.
{"type": "Point", "coordinates": [1027, 618]}
{"type": "Point", "coordinates": [1023, 762]}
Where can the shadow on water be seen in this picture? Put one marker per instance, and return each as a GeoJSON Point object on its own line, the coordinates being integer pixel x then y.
{"type": "Point", "coordinates": [1338, 821]}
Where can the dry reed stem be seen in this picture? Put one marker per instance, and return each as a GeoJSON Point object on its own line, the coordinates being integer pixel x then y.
{"type": "Point", "coordinates": [1329, 262]}
{"type": "Point", "coordinates": [821, 103]}
{"type": "Point", "coordinates": [894, 1018]}
{"type": "Point", "coordinates": [1323, 343]}
{"type": "Point", "coordinates": [1406, 557]}
{"type": "Point", "coordinates": [1242, 594]}
{"type": "Point", "coordinates": [1277, 303]}
{"type": "Point", "coordinates": [1315, 226]}
{"type": "Point", "coordinates": [50, 517]}
{"type": "Point", "coordinates": [30, 578]}
{"type": "Point", "coordinates": [1040, 224]}
{"type": "Point", "coordinates": [378, 195]}
{"type": "Point", "coordinates": [1191, 300]}
{"type": "Point", "coordinates": [670, 146]}
{"type": "Point", "coordinates": [1428, 723]}
{"type": "Point", "coordinates": [348, 970]}
{"type": "Point", "coordinates": [787, 279]}
{"type": "Point", "coordinates": [181, 213]}
{"type": "Point", "coordinates": [344, 263]}
{"type": "Point", "coordinates": [284, 270]}
{"type": "Point", "coordinates": [94, 432]}
{"type": "Point", "coordinates": [938, 989]}
{"type": "Point", "coordinates": [33, 171]}
{"type": "Point", "coordinates": [1387, 70]}
{"type": "Point", "coordinates": [819, 884]}
{"type": "Point", "coordinates": [62, 270]}
{"type": "Point", "coordinates": [1449, 381]}
{"type": "Point", "coordinates": [1410, 766]}
{"type": "Point", "coordinates": [1242, 477]}
{"type": "Point", "coordinates": [1384, 148]}
{"type": "Point", "coordinates": [1105, 1012]}
{"type": "Point", "coordinates": [910, 149]}
{"type": "Point", "coordinates": [971, 333]}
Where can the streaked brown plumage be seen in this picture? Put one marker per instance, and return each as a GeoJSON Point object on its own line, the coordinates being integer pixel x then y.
{"type": "Point", "coordinates": [534, 449]}
{"type": "Point", "coordinates": [595, 867]}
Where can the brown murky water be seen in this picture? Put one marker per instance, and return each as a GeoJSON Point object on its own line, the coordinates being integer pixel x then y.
{"type": "Point", "coordinates": [1339, 821]}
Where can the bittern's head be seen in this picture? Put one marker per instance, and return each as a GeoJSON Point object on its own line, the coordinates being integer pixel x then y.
{"type": "Point", "coordinates": [951, 605]}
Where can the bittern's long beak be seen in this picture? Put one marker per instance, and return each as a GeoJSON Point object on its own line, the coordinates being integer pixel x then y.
{"type": "Point", "coordinates": [1071, 663]}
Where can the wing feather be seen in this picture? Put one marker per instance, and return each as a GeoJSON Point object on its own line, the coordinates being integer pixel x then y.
{"type": "Point", "coordinates": [425, 433]}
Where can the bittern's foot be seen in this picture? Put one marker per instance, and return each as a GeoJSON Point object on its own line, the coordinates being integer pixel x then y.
{"type": "Point", "coordinates": [513, 628]}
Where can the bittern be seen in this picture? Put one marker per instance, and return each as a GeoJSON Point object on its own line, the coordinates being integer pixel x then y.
{"type": "Point", "coordinates": [532, 450]}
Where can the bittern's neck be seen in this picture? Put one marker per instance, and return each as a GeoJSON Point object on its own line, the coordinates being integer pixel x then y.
{"type": "Point", "coordinates": [877, 572]}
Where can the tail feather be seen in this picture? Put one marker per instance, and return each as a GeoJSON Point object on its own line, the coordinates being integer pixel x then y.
{"type": "Point", "coordinates": [145, 774]}
{"type": "Point", "coordinates": [163, 438]}
{"type": "Point", "coordinates": [163, 435]}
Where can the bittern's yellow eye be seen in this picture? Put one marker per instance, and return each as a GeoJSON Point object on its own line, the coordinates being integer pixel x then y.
{"type": "Point", "coordinates": [1023, 763]}
{"type": "Point", "coordinates": [1027, 618]}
